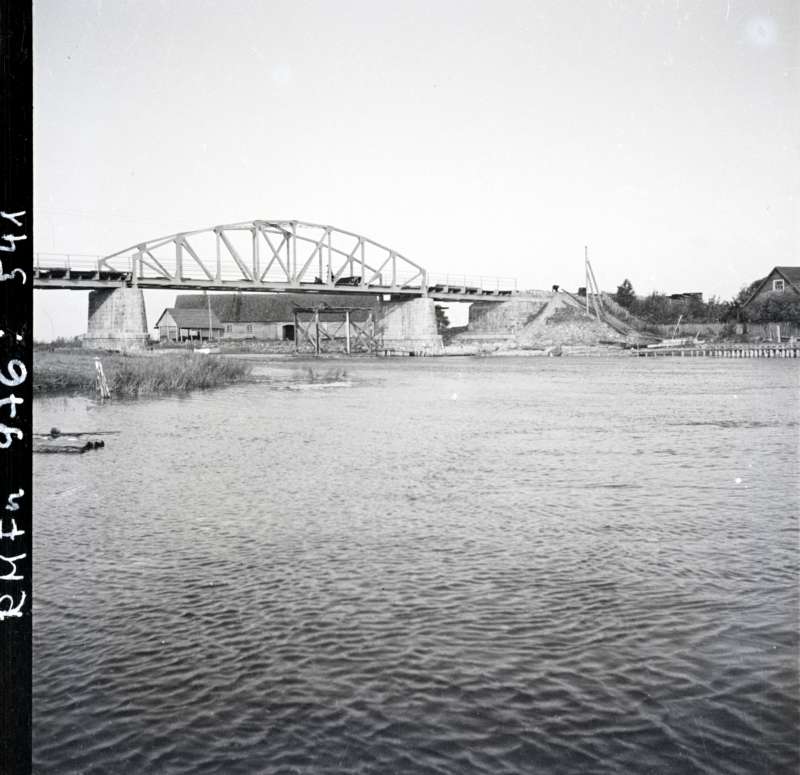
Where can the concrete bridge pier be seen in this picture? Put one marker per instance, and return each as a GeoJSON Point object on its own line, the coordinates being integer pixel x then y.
{"type": "Point", "coordinates": [408, 327]}
{"type": "Point", "coordinates": [117, 320]}
{"type": "Point", "coordinates": [499, 322]}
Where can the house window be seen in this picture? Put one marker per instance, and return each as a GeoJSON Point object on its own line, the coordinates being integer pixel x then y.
{"type": "Point", "coordinates": [777, 285]}
{"type": "Point", "coordinates": [228, 328]}
{"type": "Point", "coordinates": [249, 329]}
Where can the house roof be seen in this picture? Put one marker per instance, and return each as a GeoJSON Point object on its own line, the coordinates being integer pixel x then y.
{"type": "Point", "coordinates": [791, 274]}
{"type": "Point", "coordinates": [191, 318]}
{"type": "Point", "coordinates": [268, 307]}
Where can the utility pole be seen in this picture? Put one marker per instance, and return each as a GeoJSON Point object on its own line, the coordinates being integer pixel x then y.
{"type": "Point", "coordinates": [208, 301]}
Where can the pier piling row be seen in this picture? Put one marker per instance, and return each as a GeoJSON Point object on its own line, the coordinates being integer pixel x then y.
{"type": "Point", "coordinates": [774, 350]}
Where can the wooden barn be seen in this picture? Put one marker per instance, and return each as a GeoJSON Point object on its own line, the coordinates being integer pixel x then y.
{"type": "Point", "coordinates": [269, 316]}
{"type": "Point", "coordinates": [178, 325]}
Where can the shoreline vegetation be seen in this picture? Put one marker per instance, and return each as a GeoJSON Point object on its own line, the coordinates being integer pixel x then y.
{"type": "Point", "coordinates": [71, 371]}
{"type": "Point", "coordinates": [68, 370]}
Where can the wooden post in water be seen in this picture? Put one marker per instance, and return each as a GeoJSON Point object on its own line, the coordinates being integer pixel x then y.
{"type": "Point", "coordinates": [100, 380]}
{"type": "Point", "coordinates": [347, 331]}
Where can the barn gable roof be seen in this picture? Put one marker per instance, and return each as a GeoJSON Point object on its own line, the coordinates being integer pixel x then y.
{"type": "Point", "coordinates": [191, 318]}
{"type": "Point", "coordinates": [268, 307]}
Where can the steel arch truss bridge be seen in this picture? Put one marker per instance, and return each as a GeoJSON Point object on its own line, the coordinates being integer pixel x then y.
{"type": "Point", "coordinates": [284, 253]}
{"type": "Point", "coordinates": [263, 255]}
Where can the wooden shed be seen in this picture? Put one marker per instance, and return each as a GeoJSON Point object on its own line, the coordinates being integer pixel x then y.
{"type": "Point", "coordinates": [177, 325]}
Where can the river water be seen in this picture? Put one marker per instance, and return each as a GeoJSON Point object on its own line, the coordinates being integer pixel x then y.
{"type": "Point", "coordinates": [497, 565]}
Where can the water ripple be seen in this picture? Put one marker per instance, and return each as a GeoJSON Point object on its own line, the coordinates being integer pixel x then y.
{"type": "Point", "coordinates": [557, 572]}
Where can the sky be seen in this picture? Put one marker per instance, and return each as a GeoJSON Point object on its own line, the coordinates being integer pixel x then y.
{"type": "Point", "coordinates": [479, 138]}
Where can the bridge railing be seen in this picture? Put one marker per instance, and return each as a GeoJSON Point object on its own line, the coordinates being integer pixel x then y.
{"type": "Point", "coordinates": [69, 261]}
{"type": "Point", "coordinates": [484, 282]}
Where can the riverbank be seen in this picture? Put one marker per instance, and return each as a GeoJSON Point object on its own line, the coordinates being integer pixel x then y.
{"type": "Point", "coordinates": [476, 346]}
{"type": "Point", "coordinates": [128, 376]}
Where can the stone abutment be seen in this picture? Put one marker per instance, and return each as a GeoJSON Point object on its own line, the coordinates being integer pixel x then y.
{"type": "Point", "coordinates": [408, 327]}
{"type": "Point", "coordinates": [117, 320]}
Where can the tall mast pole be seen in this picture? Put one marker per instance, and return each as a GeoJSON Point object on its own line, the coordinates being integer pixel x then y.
{"type": "Point", "coordinates": [586, 270]}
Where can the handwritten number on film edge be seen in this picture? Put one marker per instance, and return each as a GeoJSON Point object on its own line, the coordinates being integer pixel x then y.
{"type": "Point", "coordinates": [10, 605]}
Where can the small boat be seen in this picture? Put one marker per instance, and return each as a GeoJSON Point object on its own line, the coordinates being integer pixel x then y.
{"type": "Point", "coordinates": [58, 444]}
{"type": "Point", "coordinates": [675, 341]}
{"type": "Point", "coordinates": [207, 350]}
{"type": "Point", "coordinates": [685, 342]}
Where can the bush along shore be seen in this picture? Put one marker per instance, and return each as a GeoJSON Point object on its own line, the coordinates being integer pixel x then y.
{"type": "Point", "coordinates": [130, 376]}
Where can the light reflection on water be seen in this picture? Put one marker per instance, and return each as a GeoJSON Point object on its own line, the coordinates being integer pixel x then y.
{"type": "Point", "coordinates": [451, 565]}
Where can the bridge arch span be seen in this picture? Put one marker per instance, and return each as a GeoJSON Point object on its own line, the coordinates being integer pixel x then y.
{"type": "Point", "coordinates": [286, 253]}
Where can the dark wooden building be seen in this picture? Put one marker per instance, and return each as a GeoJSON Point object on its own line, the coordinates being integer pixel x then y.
{"type": "Point", "coordinates": [687, 296]}
{"type": "Point", "coordinates": [781, 282]}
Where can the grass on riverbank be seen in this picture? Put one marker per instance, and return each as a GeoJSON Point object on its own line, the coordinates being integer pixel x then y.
{"type": "Point", "coordinates": [129, 376]}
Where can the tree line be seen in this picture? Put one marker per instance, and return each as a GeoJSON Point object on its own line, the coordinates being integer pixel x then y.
{"type": "Point", "coordinates": [658, 308]}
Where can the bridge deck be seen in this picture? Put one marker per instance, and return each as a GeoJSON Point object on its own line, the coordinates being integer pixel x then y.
{"type": "Point", "coordinates": [92, 279]}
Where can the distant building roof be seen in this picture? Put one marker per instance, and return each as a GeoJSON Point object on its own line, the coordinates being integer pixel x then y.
{"type": "Point", "coordinates": [268, 307]}
{"type": "Point", "coordinates": [191, 318]}
{"type": "Point", "coordinates": [687, 295]}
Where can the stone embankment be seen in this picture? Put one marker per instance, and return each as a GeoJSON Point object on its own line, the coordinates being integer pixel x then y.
{"type": "Point", "coordinates": [542, 323]}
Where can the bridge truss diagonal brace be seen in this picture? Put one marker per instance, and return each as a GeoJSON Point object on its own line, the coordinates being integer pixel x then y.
{"type": "Point", "coordinates": [184, 244]}
{"type": "Point", "coordinates": [378, 273]}
{"type": "Point", "coordinates": [234, 254]}
{"type": "Point", "coordinates": [317, 251]}
{"type": "Point", "coordinates": [347, 262]}
{"type": "Point", "coordinates": [152, 262]}
{"type": "Point", "coordinates": [275, 254]}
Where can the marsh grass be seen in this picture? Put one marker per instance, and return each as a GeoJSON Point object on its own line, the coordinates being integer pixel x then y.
{"type": "Point", "coordinates": [130, 376]}
{"type": "Point", "coordinates": [316, 377]}
{"type": "Point", "coordinates": [61, 343]}
{"type": "Point", "coordinates": [62, 371]}
{"type": "Point", "coordinates": [173, 374]}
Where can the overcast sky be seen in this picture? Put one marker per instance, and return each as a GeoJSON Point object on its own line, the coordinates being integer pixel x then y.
{"type": "Point", "coordinates": [473, 137]}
